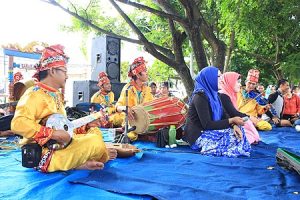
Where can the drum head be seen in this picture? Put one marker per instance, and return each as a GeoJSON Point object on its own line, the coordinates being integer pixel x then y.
{"type": "Point", "coordinates": [141, 120]}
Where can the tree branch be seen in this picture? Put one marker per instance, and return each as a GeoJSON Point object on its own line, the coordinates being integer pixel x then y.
{"type": "Point", "coordinates": [148, 46]}
{"type": "Point", "coordinates": [229, 50]}
{"type": "Point", "coordinates": [177, 40]}
{"type": "Point", "coordinates": [154, 11]}
{"type": "Point", "coordinates": [164, 50]}
{"type": "Point", "coordinates": [277, 49]}
{"type": "Point", "coordinates": [166, 6]}
{"type": "Point", "coordinates": [259, 57]}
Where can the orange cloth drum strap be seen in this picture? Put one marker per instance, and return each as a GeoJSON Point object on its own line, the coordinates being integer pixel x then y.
{"type": "Point", "coordinates": [103, 92]}
{"type": "Point", "coordinates": [133, 83]}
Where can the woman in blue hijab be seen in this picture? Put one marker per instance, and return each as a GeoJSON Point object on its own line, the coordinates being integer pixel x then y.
{"type": "Point", "coordinates": [208, 129]}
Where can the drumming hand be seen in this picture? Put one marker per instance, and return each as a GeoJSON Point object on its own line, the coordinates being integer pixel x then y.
{"type": "Point", "coordinates": [95, 123]}
{"type": "Point", "coordinates": [236, 121]}
{"type": "Point", "coordinates": [61, 136]}
{"type": "Point", "coordinates": [130, 114]}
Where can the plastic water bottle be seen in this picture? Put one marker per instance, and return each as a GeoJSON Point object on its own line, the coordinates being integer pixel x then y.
{"type": "Point", "coordinates": [172, 136]}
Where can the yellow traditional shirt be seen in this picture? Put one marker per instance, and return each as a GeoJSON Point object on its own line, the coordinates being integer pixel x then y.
{"type": "Point", "coordinates": [37, 103]}
{"type": "Point", "coordinates": [249, 106]}
{"type": "Point", "coordinates": [135, 97]}
{"type": "Point", "coordinates": [104, 100]}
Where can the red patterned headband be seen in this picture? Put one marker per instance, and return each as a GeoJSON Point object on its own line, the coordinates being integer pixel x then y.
{"type": "Point", "coordinates": [138, 65]}
{"type": "Point", "coordinates": [253, 75]}
{"type": "Point", "coordinates": [52, 56]}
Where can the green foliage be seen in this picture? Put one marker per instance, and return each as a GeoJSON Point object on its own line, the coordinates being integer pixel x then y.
{"type": "Point", "coordinates": [269, 28]}
{"type": "Point", "coordinates": [160, 72]}
{"type": "Point", "coordinates": [292, 68]}
{"type": "Point", "coordinates": [242, 64]}
{"type": "Point", "coordinates": [124, 71]}
{"type": "Point", "coordinates": [99, 14]}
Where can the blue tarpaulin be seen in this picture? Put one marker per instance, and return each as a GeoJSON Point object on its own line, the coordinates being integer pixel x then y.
{"type": "Point", "coordinates": [164, 174]}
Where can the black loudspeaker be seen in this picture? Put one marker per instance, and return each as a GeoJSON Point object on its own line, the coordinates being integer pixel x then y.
{"type": "Point", "coordinates": [117, 89]}
{"type": "Point", "coordinates": [84, 90]}
{"type": "Point", "coordinates": [106, 58]}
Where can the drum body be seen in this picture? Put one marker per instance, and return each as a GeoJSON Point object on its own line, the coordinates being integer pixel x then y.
{"type": "Point", "coordinates": [20, 88]}
{"type": "Point", "coordinates": [159, 113]}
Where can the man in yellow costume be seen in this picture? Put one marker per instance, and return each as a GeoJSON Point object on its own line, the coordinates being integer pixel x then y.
{"type": "Point", "coordinates": [105, 97]}
{"type": "Point", "coordinates": [83, 151]}
{"type": "Point", "coordinates": [138, 91]}
{"type": "Point", "coordinates": [247, 101]}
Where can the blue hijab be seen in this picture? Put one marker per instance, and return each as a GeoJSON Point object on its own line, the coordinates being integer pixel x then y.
{"type": "Point", "coordinates": [207, 81]}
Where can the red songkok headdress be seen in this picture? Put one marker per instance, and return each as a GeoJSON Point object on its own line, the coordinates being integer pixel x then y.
{"type": "Point", "coordinates": [52, 56]}
{"type": "Point", "coordinates": [253, 75]}
{"type": "Point", "coordinates": [138, 65]}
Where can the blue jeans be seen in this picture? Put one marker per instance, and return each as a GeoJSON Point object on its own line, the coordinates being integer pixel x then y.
{"type": "Point", "coordinates": [297, 122]}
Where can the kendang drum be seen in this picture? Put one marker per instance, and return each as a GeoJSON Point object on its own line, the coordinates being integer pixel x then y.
{"type": "Point", "coordinates": [159, 113]}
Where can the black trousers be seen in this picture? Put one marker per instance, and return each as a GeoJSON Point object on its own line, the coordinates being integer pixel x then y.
{"type": "Point", "coordinates": [5, 122]}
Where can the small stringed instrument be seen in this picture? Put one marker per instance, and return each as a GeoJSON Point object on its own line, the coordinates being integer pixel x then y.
{"type": "Point", "coordinates": [61, 122]}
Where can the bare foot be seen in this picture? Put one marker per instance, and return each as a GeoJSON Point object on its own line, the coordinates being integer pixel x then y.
{"type": "Point", "coordinates": [91, 165]}
{"type": "Point", "coordinates": [112, 153]}
{"type": "Point", "coordinates": [127, 150]}
{"type": "Point", "coordinates": [123, 150]}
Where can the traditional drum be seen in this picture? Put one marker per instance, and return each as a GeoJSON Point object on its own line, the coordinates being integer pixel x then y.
{"type": "Point", "coordinates": [159, 113]}
{"type": "Point", "coordinates": [20, 88]}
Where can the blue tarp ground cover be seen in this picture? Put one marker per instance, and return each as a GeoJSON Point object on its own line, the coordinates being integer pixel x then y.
{"type": "Point", "coordinates": [179, 175]}
{"type": "Point", "coordinates": [17, 182]}
{"type": "Point", "coordinates": [172, 174]}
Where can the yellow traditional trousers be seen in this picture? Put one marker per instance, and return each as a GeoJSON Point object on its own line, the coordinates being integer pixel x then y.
{"type": "Point", "coordinates": [83, 147]}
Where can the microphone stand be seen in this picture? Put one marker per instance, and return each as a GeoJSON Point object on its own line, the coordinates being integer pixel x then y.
{"type": "Point", "coordinates": [124, 138]}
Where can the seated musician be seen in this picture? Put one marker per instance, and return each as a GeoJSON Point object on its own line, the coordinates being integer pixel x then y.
{"type": "Point", "coordinates": [230, 86]}
{"type": "Point", "coordinates": [208, 128]}
{"type": "Point", "coordinates": [44, 99]}
{"type": "Point", "coordinates": [291, 108]}
{"type": "Point", "coordinates": [138, 91]}
{"type": "Point", "coordinates": [248, 102]}
{"type": "Point", "coordinates": [106, 97]}
{"type": "Point", "coordinates": [277, 101]}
